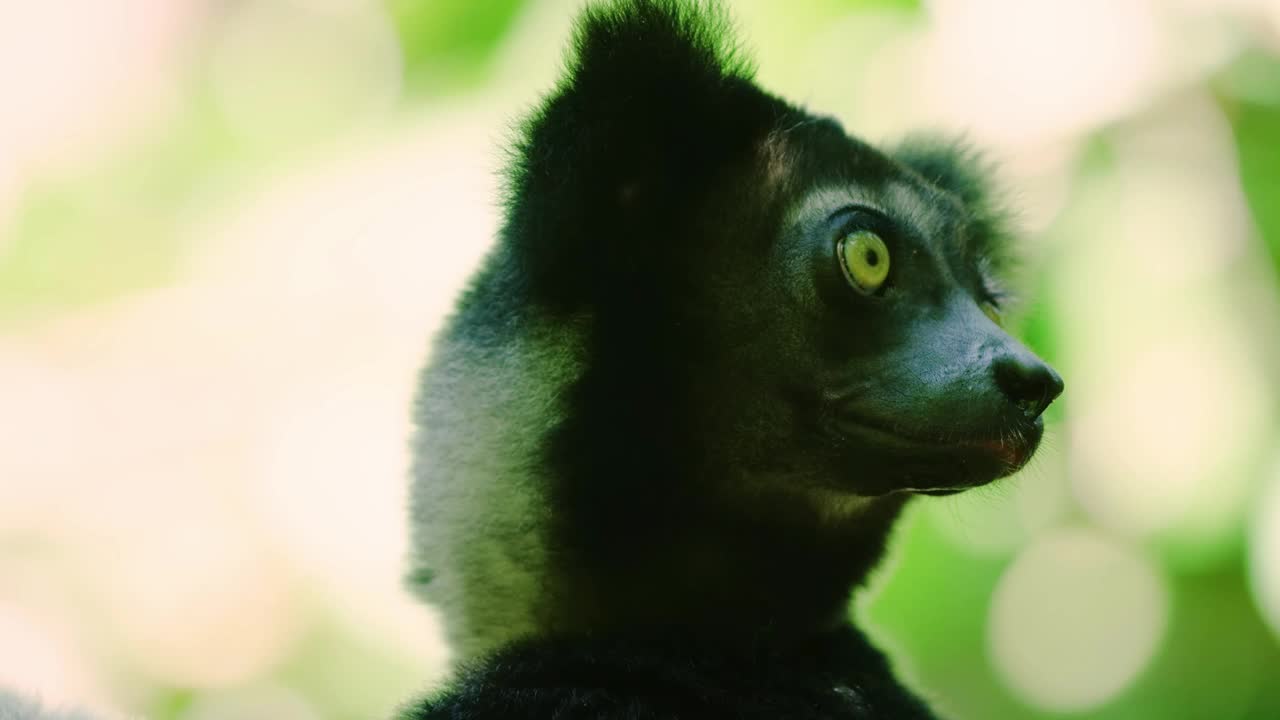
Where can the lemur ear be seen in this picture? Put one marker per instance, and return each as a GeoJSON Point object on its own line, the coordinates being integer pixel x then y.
{"type": "Point", "coordinates": [654, 47]}
{"type": "Point", "coordinates": [655, 100]}
{"type": "Point", "coordinates": [650, 85]}
{"type": "Point", "coordinates": [955, 167]}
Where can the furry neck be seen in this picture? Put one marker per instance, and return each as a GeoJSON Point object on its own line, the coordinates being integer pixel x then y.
{"type": "Point", "coordinates": [746, 572]}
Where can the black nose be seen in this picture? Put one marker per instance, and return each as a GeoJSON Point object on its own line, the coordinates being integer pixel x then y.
{"type": "Point", "coordinates": [1028, 382]}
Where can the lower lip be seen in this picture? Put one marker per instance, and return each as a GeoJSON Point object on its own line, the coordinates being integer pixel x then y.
{"type": "Point", "coordinates": [1013, 455]}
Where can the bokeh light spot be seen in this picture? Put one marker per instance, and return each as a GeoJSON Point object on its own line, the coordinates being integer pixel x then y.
{"type": "Point", "coordinates": [1018, 71]}
{"type": "Point", "coordinates": [1161, 440]}
{"type": "Point", "coordinates": [1074, 619]}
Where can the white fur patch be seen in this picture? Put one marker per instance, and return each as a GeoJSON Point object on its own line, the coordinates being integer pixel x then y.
{"type": "Point", "coordinates": [478, 516]}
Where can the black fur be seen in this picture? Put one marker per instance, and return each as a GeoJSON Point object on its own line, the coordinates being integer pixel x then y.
{"type": "Point", "coordinates": [838, 675]}
{"type": "Point", "coordinates": [726, 464]}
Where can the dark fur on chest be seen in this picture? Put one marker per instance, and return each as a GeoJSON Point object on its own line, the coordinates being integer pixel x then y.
{"type": "Point", "coordinates": [838, 676]}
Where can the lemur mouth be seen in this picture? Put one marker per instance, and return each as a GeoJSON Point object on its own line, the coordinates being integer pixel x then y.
{"type": "Point", "coordinates": [1008, 450]}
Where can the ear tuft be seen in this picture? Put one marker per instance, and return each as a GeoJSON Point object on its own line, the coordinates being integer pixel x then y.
{"type": "Point", "coordinates": [954, 166]}
{"type": "Point", "coordinates": [628, 41]}
{"type": "Point", "coordinates": [655, 104]}
{"type": "Point", "coordinates": [950, 164]}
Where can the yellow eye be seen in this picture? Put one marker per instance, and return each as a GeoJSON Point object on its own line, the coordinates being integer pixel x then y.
{"type": "Point", "coordinates": [865, 259]}
{"type": "Point", "coordinates": [992, 313]}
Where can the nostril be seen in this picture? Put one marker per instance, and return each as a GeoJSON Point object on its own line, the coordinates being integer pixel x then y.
{"type": "Point", "coordinates": [1028, 382]}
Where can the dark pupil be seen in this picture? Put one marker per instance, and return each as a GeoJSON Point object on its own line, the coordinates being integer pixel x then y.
{"type": "Point", "coordinates": [872, 258]}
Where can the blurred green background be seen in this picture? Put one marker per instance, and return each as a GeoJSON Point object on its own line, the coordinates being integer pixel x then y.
{"type": "Point", "coordinates": [228, 228]}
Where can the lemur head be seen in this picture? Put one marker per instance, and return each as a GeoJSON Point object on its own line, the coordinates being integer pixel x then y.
{"type": "Point", "coordinates": [854, 318]}
{"type": "Point", "coordinates": [771, 299]}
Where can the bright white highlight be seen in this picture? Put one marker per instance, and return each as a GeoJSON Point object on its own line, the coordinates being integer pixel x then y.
{"type": "Point", "coordinates": [1168, 397]}
{"type": "Point", "coordinates": [1159, 440]}
{"type": "Point", "coordinates": [1015, 71]}
{"type": "Point", "coordinates": [1074, 619]}
{"type": "Point", "coordinates": [76, 75]}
